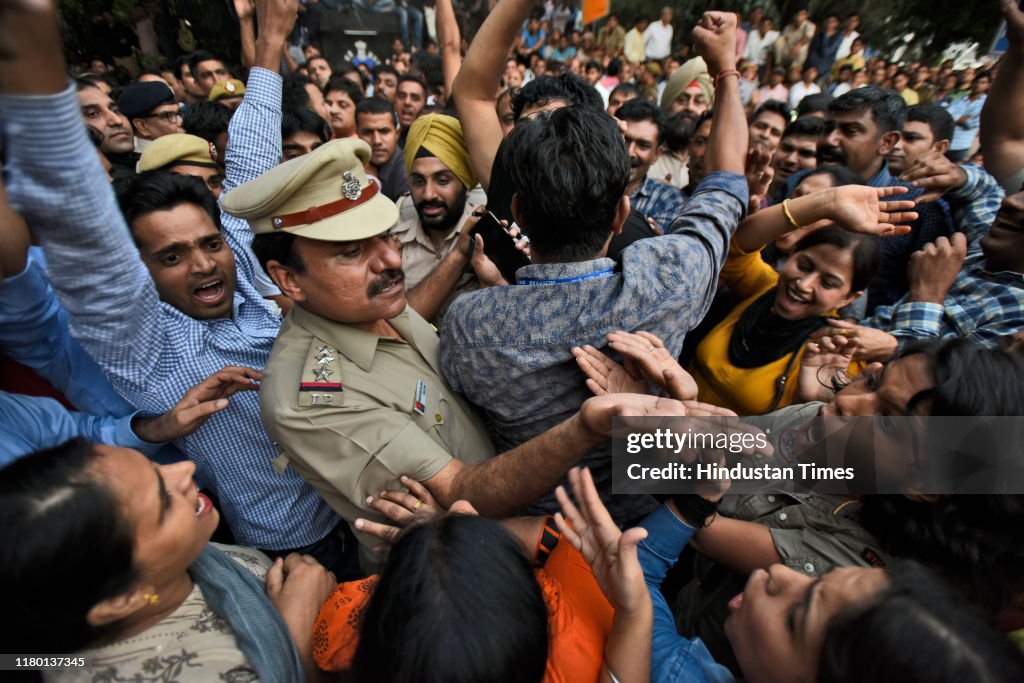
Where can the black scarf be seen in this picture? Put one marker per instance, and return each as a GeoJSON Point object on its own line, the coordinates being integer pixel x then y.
{"type": "Point", "coordinates": [761, 337]}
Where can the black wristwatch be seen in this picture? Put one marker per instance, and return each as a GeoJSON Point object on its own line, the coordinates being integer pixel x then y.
{"type": "Point", "coordinates": [695, 509]}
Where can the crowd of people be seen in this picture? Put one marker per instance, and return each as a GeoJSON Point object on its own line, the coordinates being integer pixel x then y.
{"type": "Point", "coordinates": [308, 368]}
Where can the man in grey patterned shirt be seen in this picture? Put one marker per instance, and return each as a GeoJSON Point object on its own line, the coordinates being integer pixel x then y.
{"type": "Point", "coordinates": [508, 349]}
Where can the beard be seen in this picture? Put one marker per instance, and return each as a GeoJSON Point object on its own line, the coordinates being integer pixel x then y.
{"type": "Point", "coordinates": [448, 218]}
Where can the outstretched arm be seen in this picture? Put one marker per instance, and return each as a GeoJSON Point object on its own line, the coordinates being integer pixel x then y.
{"type": "Point", "coordinates": [56, 183]}
{"type": "Point", "coordinates": [715, 36]}
{"type": "Point", "coordinates": [246, 9]}
{"type": "Point", "coordinates": [1002, 129]}
{"type": "Point", "coordinates": [856, 208]}
{"type": "Point", "coordinates": [475, 88]}
{"type": "Point", "coordinates": [450, 38]}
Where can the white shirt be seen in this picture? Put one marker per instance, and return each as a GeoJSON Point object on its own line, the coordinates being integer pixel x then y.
{"type": "Point", "coordinates": [758, 46]}
{"type": "Point", "coordinates": [842, 89]}
{"type": "Point", "coordinates": [801, 90]}
{"type": "Point", "coordinates": [846, 45]}
{"type": "Point", "coordinates": [658, 40]}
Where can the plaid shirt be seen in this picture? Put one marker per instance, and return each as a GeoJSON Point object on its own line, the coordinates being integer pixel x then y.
{"type": "Point", "coordinates": [658, 201]}
{"type": "Point", "coordinates": [152, 352]}
{"type": "Point", "coordinates": [981, 305]}
{"type": "Point", "coordinates": [508, 348]}
{"type": "Point", "coordinates": [933, 221]}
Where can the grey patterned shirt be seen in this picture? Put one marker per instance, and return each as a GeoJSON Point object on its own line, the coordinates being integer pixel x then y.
{"type": "Point", "coordinates": [507, 349]}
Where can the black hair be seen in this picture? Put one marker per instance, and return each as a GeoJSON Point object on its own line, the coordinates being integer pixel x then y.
{"type": "Point", "coordinates": [338, 83]}
{"type": "Point", "coordinates": [385, 69]}
{"type": "Point", "coordinates": [569, 170]}
{"type": "Point", "coordinates": [679, 129]}
{"type": "Point", "coordinates": [566, 87]}
{"type": "Point", "coordinates": [774, 106]}
{"type": "Point", "coordinates": [867, 255]}
{"type": "Point", "coordinates": [938, 119]}
{"type": "Point", "coordinates": [457, 602]}
{"type": "Point", "coordinates": [805, 126]}
{"type": "Point", "coordinates": [199, 56]}
{"type": "Point", "coordinates": [614, 67]}
{"type": "Point", "coordinates": [66, 548]}
{"type": "Point", "coordinates": [83, 82]}
{"type": "Point", "coordinates": [975, 542]}
{"type": "Point", "coordinates": [293, 91]}
{"type": "Point", "coordinates": [162, 191]}
{"type": "Point", "coordinates": [627, 89]}
{"type": "Point", "coordinates": [430, 68]}
{"type": "Point", "coordinates": [413, 78]}
{"type": "Point", "coordinates": [320, 56]}
{"type": "Point", "coordinates": [280, 247]}
{"type": "Point", "coordinates": [815, 102]}
{"type": "Point", "coordinates": [914, 632]}
{"type": "Point", "coordinates": [303, 120]}
{"type": "Point", "coordinates": [888, 109]}
{"type": "Point", "coordinates": [970, 379]}
{"type": "Point", "coordinates": [376, 105]}
{"type": "Point", "coordinates": [841, 175]}
{"type": "Point", "coordinates": [206, 119]}
{"type": "Point", "coordinates": [643, 110]}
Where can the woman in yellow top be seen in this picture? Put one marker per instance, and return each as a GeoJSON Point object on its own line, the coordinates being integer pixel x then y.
{"type": "Point", "coordinates": [747, 361]}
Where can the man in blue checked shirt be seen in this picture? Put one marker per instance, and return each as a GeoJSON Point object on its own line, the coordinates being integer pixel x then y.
{"type": "Point", "coordinates": [645, 126]}
{"type": "Point", "coordinates": [161, 316]}
{"type": "Point", "coordinates": [968, 285]}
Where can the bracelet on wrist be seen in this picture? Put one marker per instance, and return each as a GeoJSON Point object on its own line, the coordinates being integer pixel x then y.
{"type": "Point", "coordinates": [724, 73]}
{"type": "Point", "coordinates": [789, 215]}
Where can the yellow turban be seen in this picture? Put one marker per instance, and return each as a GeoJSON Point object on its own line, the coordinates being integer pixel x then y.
{"type": "Point", "coordinates": [441, 136]}
{"type": "Point", "coordinates": [693, 71]}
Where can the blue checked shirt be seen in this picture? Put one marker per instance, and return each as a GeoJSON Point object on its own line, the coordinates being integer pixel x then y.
{"type": "Point", "coordinates": [508, 348]}
{"type": "Point", "coordinates": [933, 221]}
{"type": "Point", "coordinates": [658, 201]}
{"type": "Point", "coordinates": [152, 352]}
{"type": "Point", "coordinates": [981, 305]}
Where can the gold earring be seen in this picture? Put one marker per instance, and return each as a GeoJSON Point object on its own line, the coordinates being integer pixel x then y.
{"type": "Point", "coordinates": [152, 598]}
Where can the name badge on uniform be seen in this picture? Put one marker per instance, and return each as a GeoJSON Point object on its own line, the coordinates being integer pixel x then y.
{"type": "Point", "coordinates": [419, 403]}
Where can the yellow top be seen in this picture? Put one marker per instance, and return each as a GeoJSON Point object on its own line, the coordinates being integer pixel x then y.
{"type": "Point", "coordinates": [748, 391]}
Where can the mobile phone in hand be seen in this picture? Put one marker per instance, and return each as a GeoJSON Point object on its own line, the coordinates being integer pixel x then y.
{"type": "Point", "coordinates": [499, 246]}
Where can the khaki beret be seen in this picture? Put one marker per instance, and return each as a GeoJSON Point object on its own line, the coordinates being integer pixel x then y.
{"type": "Point", "coordinates": [177, 148]}
{"type": "Point", "coordinates": [229, 88]}
{"type": "Point", "coordinates": [324, 195]}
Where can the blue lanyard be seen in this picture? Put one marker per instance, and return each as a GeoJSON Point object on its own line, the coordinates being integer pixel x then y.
{"type": "Point", "coordinates": [563, 280]}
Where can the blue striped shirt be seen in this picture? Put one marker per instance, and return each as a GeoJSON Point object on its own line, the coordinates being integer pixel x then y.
{"type": "Point", "coordinates": [152, 352]}
{"type": "Point", "coordinates": [981, 305]}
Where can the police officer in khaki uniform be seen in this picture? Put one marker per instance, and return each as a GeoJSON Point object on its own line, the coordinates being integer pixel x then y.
{"type": "Point", "coordinates": [184, 154]}
{"type": "Point", "coordinates": [353, 393]}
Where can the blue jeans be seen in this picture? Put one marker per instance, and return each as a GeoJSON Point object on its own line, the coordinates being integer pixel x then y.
{"type": "Point", "coordinates": [406, 14]}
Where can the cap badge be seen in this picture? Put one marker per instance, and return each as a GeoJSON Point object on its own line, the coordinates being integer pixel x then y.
{"type": "Point", "coordinates": [230, 87]}
{"type": "Point", "coordinates": [350, 188]}
{"type": "Point", "coordinates": [213, 152]}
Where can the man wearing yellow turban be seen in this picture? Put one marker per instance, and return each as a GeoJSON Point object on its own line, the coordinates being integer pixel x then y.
{"type": "Point", "coordinates": [443, 195]}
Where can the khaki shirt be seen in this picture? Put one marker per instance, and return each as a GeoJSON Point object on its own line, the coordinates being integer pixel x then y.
{"type": "Point", "coordinates": [351, 411]}
{"type": "Point", "coordinates": [419, 257]}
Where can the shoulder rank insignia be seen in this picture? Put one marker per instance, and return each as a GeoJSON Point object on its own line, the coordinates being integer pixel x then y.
{"type": "Point", "coordinates": [320, 384]}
